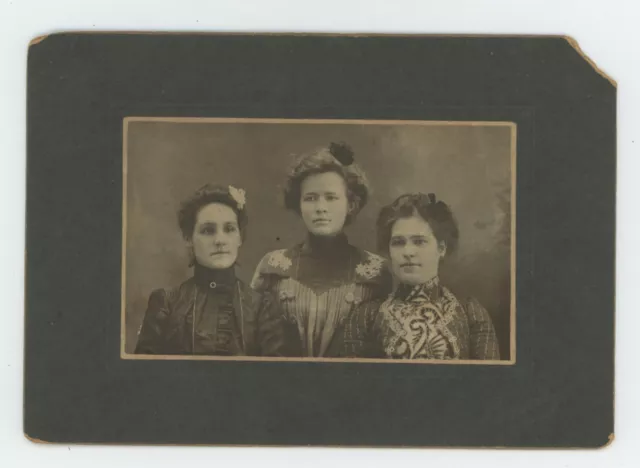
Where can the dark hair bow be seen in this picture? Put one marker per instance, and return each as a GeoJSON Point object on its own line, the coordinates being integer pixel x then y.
{"type": "Point", "coordinates": [342, 152]}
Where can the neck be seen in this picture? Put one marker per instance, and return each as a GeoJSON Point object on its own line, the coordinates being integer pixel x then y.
{"type": "Point", "coordinates": [409, 291]}
{"type": "Point", "coordinates": [433, 281]}
{"type": "Point", "coordinates": [222, 277]}
{"type": "Point", "coordinates": [326, 245]}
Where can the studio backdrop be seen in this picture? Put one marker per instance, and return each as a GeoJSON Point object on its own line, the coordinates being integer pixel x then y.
{"type": "Point", "coordinates": [468, 165]}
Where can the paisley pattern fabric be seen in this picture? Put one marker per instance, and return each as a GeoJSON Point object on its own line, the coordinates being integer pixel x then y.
{"type": "Point", "coordinates": [311, 290]}
{"type": "Point", "coordinates": [420, 324]}
{"type": "Point", "coordinates": [423, 322]}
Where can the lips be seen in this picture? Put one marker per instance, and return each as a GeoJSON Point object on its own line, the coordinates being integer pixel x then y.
{"type": "Point", "coordinates": [215, 254]}
{"type": "Point", "coordinates": [321, 221]}
{"type": "Point", "coordinates": [404, 265]}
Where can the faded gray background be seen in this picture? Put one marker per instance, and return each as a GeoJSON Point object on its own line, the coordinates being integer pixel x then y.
{"type": "Point", "coordinates": [468, 167]}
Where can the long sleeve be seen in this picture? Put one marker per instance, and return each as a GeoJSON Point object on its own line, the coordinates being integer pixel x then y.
{"type": "Point", "coordinates": [361, 338]}
{"type": "Point", "coordinates": [270, 327]}
{"type": "Point", "coordinates": [267, 335]}
{"type": "Point", "coordinates": [483, 343]}
{"type": "Point", "coordinates": [150, 337]}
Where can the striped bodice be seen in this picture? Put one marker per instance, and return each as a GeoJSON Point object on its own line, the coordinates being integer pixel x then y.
{"type": "Point", "coordinates": [317, 315]}
{"type": "Point", "coordinates": [313, 290]}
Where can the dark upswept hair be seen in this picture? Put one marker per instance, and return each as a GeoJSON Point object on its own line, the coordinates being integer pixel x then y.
{"type": "Point", "coordinates": [209, 193]}
{"type": "Point", "coordinates": [337, 158]}
{"type": "Point", "coordinates": [435, 212]}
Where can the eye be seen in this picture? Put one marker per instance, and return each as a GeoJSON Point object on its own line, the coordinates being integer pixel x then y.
{"type": "Point", "coordinates": [396, 242]}
{"type": "Point", "coordinates": [331, 197]}
{"type": "Point", "coordinates": [309, 198]}
{"type": "Point", "coordinates": [229, 228]}
{"type": "Point", "coordinates": [208, 230]}
{"type": "Point", "coordinates": [420, 241]}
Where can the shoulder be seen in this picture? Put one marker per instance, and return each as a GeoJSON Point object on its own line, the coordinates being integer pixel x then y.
{"type": "Point", "coordinates": [171, 295]}
{"type": "Point", "coordinates": [475, 310]}
{"type": "Point", "coordinates": [158, 297]}
{"type": "Point", "coordinates": [248, 295]}
{"type": "Point", "coordinates": [371, 268]}
{"type": "Point", "coordinates": [472, 302]}
{"type": "Point", "coordinates": [277, 262]}
{"type": "Point", "coordinates": [472, 307]}
{"type": "Point", "coordinates": [158, 305]}
{"type": "Point", "coordinates": [370, 307]}
{"type": "Point", "coordinates": [367, 313]}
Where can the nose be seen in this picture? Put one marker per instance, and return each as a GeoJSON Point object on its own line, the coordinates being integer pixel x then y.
{"type": "Point", "coordinates": [321, 206]}
{"type": "Point", "coordinates": [409, 251]}
{"type": "Point", "coordinates": [220, 239]}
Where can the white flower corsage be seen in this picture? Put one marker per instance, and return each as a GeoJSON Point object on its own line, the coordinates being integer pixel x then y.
{"type": "Point", "coordinates": [371, 268]}
{"type": "Point", "coordinates": [278, 259]}
{"type": "Point", "coordinates": [239, 195]}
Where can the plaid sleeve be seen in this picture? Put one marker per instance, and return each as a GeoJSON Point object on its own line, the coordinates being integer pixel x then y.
{"type": "Point", "coordinates": [482, 336]}
{"type": "Point", "coordinates": [360, 339]}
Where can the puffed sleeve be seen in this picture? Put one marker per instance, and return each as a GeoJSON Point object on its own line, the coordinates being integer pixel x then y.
{"type": "Point", "coordinates": [483, 343]}
{"type": "Point", "coordinates": [386, 282]}
{"type": "Point", "coordinates": [373, 270]}
{"type": "Point", "coordinates": [269, 331]}
{"type": "Point", "coordinates": [270, 327]}
{"type": "Point", "coordinates": [259, 281]}
{"type": "Point", "coordinates": [150, 337]}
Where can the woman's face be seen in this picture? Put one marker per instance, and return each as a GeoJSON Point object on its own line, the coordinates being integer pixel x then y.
{"type": "Point", "coordinates": [216, 236]}
{"type": "Point", "coordinates": [415, 252]}
{"type": "Point", "coordinates": [324, 204]}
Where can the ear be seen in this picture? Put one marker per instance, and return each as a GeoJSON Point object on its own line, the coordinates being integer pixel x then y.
{"type": "Point", "coordinates": [352, 206]}
{"type": "Point", "coordinates": [442, 248]}
{"type": "Point", "coordinates": [190, 253]}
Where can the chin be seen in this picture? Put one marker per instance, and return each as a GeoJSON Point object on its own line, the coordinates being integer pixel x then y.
{"type": "Point", "coordinates": [220, 264]}
{"type": "Point", "coordinates": [411, 280]}
{"type": "Point", "coordinates": [324, 232]}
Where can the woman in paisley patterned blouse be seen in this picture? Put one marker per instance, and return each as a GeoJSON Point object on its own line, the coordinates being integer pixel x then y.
{"type": "Point", "coordinates": [421, 319]}
{"type": "Point", "coordinates": [310, 290]}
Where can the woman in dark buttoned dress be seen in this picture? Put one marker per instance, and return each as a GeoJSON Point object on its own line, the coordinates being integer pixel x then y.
{"type": "Point", "coordinates": [211, 312]}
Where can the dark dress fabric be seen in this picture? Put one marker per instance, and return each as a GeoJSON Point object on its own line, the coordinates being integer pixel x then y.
{"type": "Point", "coordinates": [212, 313]}
{"type": "Point", "coordinates": [426, 321]}
{"type": "Point", "coordinates": [308, 293]}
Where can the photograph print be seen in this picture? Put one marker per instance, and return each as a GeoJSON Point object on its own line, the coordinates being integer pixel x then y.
{"type": "Point", "coordinates": [330, 240]}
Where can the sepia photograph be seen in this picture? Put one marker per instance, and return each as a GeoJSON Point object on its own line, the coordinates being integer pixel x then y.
{"type": "Point", "coordinates": [313, 239]}
{"type": "Point", "coordinates": [319, 240]}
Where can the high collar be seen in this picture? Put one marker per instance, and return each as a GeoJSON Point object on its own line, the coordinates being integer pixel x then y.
{"type": "Point", "coordinates": [322, 246]}
{"type": "Point", "coordinates": [420, 292]}
{"type": "Point", "coordinates": [218, 280]}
